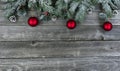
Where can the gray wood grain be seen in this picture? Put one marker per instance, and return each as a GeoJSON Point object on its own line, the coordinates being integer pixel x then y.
{"type": "Point", "coordinates": [52, 33]}
{"type": "Point", "coordinates": [62, 64]}
{"type": "Point", "coordinates": [63, 49]}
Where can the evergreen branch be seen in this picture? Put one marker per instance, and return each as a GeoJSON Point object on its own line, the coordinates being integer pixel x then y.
{"type": "Point", "coordinates": [67, 9]}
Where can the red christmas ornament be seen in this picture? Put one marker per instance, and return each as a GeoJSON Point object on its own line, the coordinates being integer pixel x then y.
{"type": "Point", "coordinates": [107, 26]}
{"type": "Point", "coordinates": [33, 21]}
{"type": "Point", "coordinates": [71, 24]}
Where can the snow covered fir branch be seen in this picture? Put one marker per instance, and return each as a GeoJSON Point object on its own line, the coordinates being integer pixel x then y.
{"type": "Point", "coordinates": [66, 9]}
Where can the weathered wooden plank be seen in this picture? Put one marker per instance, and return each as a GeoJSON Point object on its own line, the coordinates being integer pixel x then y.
{"type": "Point", "coordinates": [8, 67]}
{"type": "Point", "coordinates": [76, 65]}
{"type": "Point", "coordinates": [62, 64]}
{"type": "Point", "coordinates": [52, 33]}
{"type": "Point", "coordinates": [61, 49]}
{"type": "Point", "coordinates": [90, 20]}
{"type": "Point", "coordinates": [58, 22]}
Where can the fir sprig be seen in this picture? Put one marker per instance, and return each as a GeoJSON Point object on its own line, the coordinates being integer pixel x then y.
{"type": "Point", "coordinates": [66, 9]}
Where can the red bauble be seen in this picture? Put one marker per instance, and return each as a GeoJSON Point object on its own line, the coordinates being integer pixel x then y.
{"type": "Point", "coordinates": [71, 24]}
{"type": "Point", "coordinates": [107, 26]}
{"type": "Point", "coordinates": [33, 21]}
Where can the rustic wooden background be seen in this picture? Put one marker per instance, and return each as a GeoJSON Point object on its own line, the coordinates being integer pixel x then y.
{"type": "Point", "coordinates": [52, 47]}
